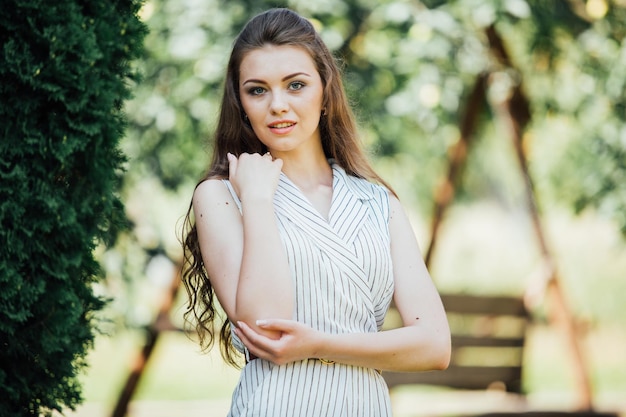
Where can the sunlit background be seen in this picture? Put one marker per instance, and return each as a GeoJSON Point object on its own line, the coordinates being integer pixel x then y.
{"type": "Point", "coordinates": [409, 69]}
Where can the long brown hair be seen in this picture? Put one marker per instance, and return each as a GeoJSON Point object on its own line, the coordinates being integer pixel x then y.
{"type": "Point", "coordinates": [234, 135]}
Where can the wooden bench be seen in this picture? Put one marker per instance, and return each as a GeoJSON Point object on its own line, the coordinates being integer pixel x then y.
{"type": "Point", "coordinates": [488, 335]}
{"type": "Point", "coordinates": [488, 340]}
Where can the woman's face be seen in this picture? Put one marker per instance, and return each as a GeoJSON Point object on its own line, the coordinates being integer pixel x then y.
{"type": "Point", "coordinates": [281, 93]}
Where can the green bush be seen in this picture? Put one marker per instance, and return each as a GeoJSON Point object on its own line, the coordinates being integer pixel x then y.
{"type": "Point", "coordinates": [65, 71]}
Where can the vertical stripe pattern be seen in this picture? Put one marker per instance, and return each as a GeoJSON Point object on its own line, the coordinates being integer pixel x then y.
{"type": "Point", "coordinates": [343, 279]}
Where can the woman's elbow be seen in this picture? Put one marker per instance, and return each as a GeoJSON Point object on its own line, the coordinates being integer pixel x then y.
{"type": "Point", "coordinates": [441, 352]}
{"type": "Point", "coordinates": [442, 360]}
{"type": "Point", "coordinates": [433, 355]}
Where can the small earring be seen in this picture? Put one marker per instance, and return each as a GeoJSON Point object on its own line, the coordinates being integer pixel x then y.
{"type": "Point", "coordinates": [245, 117]}
{"type": "Point", "coordinates": [323, 111]}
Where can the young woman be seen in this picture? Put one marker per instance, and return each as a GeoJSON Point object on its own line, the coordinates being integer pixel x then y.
{"type": "Point", "coordinates": [301, 242]}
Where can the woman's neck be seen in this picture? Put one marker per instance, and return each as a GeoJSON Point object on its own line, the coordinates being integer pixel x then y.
{"type": "Point", "coordinates": [314, 178]}
{"type": "Point", "coordinates": [307, 170]}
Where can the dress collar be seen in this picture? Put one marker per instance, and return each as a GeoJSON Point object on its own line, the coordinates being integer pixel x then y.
{"type": "Point", "coordinates": [359, 187]}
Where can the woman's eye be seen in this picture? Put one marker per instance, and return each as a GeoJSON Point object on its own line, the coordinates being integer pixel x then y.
{"type": "Point", "coordinates": [296, 85]}
{"type": "Point", "coordinates": [255, 91]}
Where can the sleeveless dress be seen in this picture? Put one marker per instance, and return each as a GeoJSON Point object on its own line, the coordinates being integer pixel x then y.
{"type": "Point", "coordinates": [343, 280]}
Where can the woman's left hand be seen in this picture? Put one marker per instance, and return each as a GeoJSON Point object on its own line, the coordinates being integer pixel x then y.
{"type": "Point", "coordinates": [297, 341]}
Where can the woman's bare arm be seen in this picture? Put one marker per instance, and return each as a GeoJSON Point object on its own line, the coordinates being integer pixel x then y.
{"type": "Point", "coordinates": [243, 253]}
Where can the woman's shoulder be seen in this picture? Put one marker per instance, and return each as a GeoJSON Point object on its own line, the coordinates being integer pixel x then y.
{"type": "Point", "coordinates": [209, 186]}
{"type": "Point", "coordinates": [210, 190]}
{"type": "Point", "coordinates": [215, 198]}
{"type": "Point", "coordinates": [216, 191]}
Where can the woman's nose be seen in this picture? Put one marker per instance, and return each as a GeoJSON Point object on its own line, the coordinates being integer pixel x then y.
{"type": "Point", "coordinates": [279, 103]}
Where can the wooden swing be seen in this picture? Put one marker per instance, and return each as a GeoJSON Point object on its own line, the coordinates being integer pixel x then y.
{"type": "Point", "coordinates": [477, 322]}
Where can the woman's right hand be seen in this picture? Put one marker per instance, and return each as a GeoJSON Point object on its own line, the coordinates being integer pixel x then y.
{"type": "Point", "coordinates": [254, 176]}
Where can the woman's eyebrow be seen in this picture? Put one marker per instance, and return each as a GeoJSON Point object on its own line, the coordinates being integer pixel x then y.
{"type": "Point", "coordinates": [295, 74]}
{"type": "Point", "coordinates": [285, 78]}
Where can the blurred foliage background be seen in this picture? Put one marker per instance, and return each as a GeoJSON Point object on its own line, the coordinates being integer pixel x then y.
{"type": "Point", "coordinates": [409, 68]}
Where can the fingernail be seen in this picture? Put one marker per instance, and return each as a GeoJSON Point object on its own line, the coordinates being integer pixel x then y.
{"type": "Point", "coordinates": [261, 322]}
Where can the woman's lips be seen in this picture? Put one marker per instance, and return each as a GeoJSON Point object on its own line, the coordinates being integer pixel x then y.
{"type": "Point", "coordinates": [282, 127]}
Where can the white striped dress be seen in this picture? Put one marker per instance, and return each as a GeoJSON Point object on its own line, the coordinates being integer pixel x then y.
{"type": "Point", "coordinates": [343, 283]}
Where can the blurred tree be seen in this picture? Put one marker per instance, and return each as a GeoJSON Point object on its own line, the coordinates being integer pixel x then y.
{"type": "Point", "coordinates": [410, 66]}
{"type": "Point", "coordinates": [578, 86]}
{"type": "Point", "coordinates": [64, 69]}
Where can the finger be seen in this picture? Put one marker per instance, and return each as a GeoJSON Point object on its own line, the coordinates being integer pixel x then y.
{"type": "Point", "coordinates": [248, 336]}
{"type": "Point", "coordinates": [232, 164]}
{"type": "Point", "coordinates": [254, 341]}
{"type": "Point", "coordinates": [251, 334]}
{"type": "Point", "coordinates": [242, 336]}
{"type": "Point", "coordinates": [281, 325]}
{"type": "Point", "coordinates": [248, 344]}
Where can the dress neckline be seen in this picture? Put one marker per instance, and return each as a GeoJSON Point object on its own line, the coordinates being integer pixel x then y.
{"type": "Point", "coordinates": [308, 204]}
